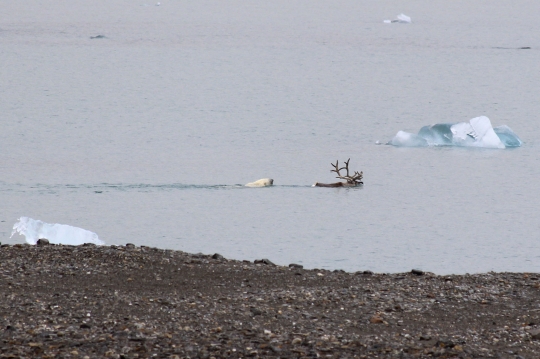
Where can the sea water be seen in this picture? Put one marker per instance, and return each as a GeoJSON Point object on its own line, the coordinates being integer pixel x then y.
{"type": "Point", "coordinates": [147, 133]}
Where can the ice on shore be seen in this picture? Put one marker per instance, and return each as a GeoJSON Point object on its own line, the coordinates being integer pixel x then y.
{"type": "Point", "coordinates": [56, 233]}
{"type": "Point", "coordinates": [476, 132]}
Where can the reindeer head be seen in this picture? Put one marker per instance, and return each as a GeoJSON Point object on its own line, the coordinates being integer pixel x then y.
{"type": "Point", "coordinates": [355, 179]}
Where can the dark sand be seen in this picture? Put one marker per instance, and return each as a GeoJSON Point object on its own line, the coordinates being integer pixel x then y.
{"type": "Point", "coordinates": [127, 302]}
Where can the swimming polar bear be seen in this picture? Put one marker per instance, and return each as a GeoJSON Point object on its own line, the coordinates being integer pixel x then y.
{"type": "Point", "coordinates": [263, 182]}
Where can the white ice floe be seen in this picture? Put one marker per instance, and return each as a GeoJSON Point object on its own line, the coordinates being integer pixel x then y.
{"type": "Point", "coordinates": [406, 139]}
{"type": "Point", "coordinates": [56, 233]}
{"type": "Point", "coordinates": [401, 18]}
{"type": "Point", "coordinates": [476, 132]}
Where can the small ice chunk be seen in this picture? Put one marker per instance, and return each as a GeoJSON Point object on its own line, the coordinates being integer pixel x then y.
{"type": "Point", "coordinates": [56, 233]}
{"type": "Point", "coordinates": [404, 19]}
{"type": "Point", "coordinates": [401, 18]}
{"type": "Point", "coordinates": [407, 139]}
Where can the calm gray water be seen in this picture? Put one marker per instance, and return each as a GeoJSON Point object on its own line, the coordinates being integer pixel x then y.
{"type": "Point", "coordinates": [141, 136]}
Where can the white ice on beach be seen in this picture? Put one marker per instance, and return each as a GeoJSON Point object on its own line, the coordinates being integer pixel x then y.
{"type": "Point", "coordinates": [476, 132]}
{"type": "Point", "coordinates": [56, 233]}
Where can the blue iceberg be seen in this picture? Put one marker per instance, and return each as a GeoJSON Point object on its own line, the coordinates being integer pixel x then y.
{"type": "Point", "coordinates": [507, 136]}
{"type": "Point", "coordinates": [476, 132]}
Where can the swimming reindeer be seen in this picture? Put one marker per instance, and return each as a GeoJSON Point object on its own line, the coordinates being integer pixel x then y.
{"type": "Point", "coordinates": [352, 181]}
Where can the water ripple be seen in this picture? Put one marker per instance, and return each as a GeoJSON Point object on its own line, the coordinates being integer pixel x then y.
{"type": "Point", "coordinates": [139, 187]}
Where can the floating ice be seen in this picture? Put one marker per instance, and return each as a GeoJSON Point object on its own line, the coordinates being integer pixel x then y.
{"type": "Point", "coordinates": [507, 136]}
{"type": "Point", "coordinates": [404, 19]}
{"type": "Point", "coordinates": [401, 18]}
{"type": "Point", "coordinates": [406, 139]}
{"type": "Point", "coordinates": [477, 132]}
{"type": "Point", "coordinates": [56, 233]}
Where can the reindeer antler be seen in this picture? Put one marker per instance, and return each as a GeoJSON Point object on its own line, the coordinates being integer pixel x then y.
{"type": "Point", "coordinates": [356, 178]}
{"type": "Point", "coordinates": [337, 169]}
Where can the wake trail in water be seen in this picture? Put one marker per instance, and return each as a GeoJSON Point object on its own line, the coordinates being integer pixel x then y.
{"type": "Point", "coordinates": [140, 187]}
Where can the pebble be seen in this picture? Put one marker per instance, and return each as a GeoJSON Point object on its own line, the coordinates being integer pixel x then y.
{"type": "Point", "coordinates": [535, 333]}
{"type": "Point", "coordinates": [417, 272]}
{"type": "Point", "coordinates": [264, 261]}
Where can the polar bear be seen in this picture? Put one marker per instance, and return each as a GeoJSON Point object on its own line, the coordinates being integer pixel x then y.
{"type": "Point", "coordinates": [263, 182]}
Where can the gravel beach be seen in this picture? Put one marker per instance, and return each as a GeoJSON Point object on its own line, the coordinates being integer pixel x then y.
{"type": "Point", "coordinates": [60, 301]}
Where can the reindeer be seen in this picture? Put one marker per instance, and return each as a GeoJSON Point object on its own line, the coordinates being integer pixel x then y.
{"type": "Point", "coordinates": [352, 181]}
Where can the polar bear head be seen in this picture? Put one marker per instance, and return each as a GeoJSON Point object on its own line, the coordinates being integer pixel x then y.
{"type": "Point", "coordinates": [263, 182]}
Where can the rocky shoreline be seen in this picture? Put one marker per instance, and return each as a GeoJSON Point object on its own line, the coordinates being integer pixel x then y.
{"type": "Point", "coordinates": [138, 302]}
